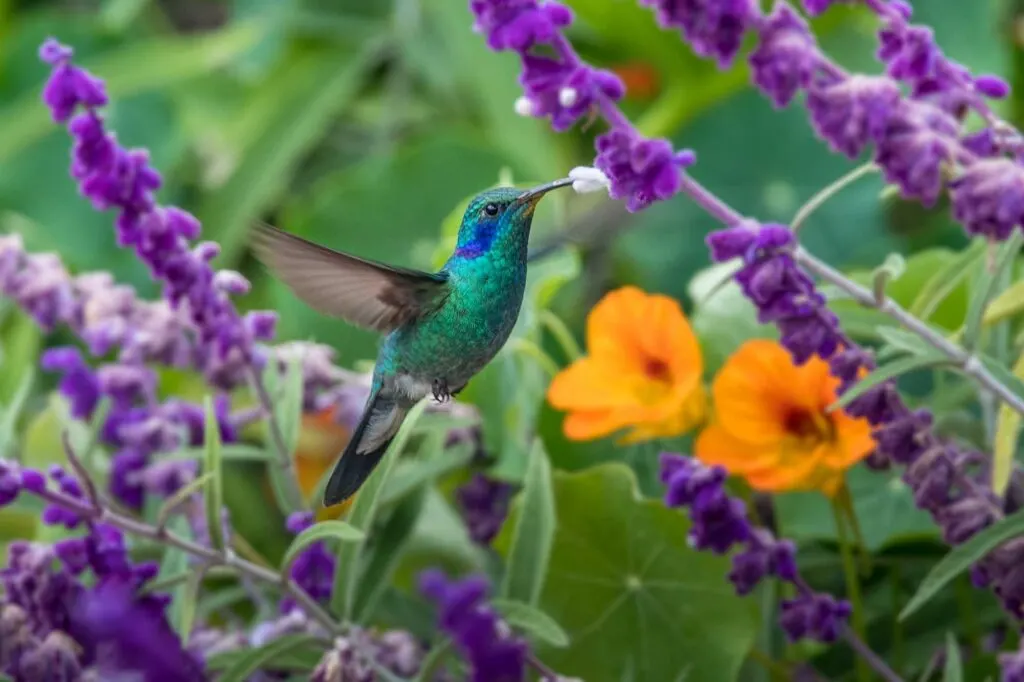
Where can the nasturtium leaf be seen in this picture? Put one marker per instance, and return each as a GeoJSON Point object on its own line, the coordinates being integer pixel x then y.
{"type": "Point", "coordinates": [962, 557]}
{"type": "Point", "coordinates": [883, 503]}
{"type": "Point", "coordinates": [635, 600]}
{"type": "Point", "coordinates": [532, 621]}
{"type": "Point", "coordinates": [362, 515]}
{"type": "Point", "coordinates": [533, 532]}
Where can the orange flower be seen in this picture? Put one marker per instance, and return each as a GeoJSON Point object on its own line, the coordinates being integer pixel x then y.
{"type": "Point", "coordinates": [321, 439]}
{"type": "Point", "coordinates": [642, 371]}
{"type": "Point", "coordinates": [771, 426]}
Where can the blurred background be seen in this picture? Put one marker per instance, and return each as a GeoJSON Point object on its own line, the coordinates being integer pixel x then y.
{"type": "Point", "coordinates": [365, 125]}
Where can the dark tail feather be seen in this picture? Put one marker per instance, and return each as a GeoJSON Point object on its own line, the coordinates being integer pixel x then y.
{"type": "Point", "coordinates": [354, 467]}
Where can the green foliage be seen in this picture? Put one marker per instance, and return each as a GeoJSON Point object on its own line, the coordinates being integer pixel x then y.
{"type": "Point", "coordinates": [529, 549]}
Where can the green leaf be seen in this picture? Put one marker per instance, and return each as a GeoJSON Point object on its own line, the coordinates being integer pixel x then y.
{"type": "Point", "coordinates": [320, 532]}
{"type": "Point", "coordinates": [171, 504]}
{"type": "Point", "coordinates": [885, 508]}
{"type": "Point", "coordinates": [888, 371]}
{"type": "Point", "coordinates": [12, 412]}
{"type": "Point", "coordinates": [962, 557]}
{"type": "Point", "coordinates": [635, 600]}
{"type": "Point", "coordinates": [433, 660]}
{"type": "Point", "coordinates": [906, 341]}
{"type": "Point", "coordinates": [954, 668]}
{"type": "Point", "coordinates": [390, 543]}
{"type": "Point", "coordinates": [214, 498]}
{"type": "Point", "coordinates": [531, 620]}
{"type": "Point", "coordinates": [189, 602]}
{"type": "Point", "coordinates": [230, 452]}
{"type": "Point", "coordinates": [1007, 431]}
{"type": "Point", "coordinates": [530, 548]}
{"type": "Point", "coordinates": [152, 64]}
{"type": "Point", "coordinates": [306, 96]}
{"type": "Point", "coordinates": [18, 355]}
{"type": "Point", "coordinates": [176, 563]}
{"type": "Point", "coordinates": [947, 279]}
{"type": "Point", "coordinates": [1004, 306]}
{"type": "Point", "coordinates": [362, 515]}
{"type": "Point", "coordinates": [422, 472]}
{"type": "Point", "coordinates": [238, 666]}
{"type": "Point", "coordinates": [889, 270]}
{"type": "Point", "coordinates": [287, 411]}
{"type": "Point", "coordinates": [987, 287]}
{"type": "Point", "coordinates": [1002, 374]}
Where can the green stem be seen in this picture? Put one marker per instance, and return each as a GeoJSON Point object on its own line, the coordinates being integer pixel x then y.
{"type": "Point", "coordinates": [968, 617]}
{"type": "Point", "coordinates": [822, 197]}
{"type": "Point", "coordinates": [852, 587]}
{"type": "Point", "coordinates": [845, 501]}
{"type": "Point", "coordinates": [562, 335]}
{"type": "Point", "coordinates": [898, 652]}
{"type": "Point", "coordinates": [776, 669]}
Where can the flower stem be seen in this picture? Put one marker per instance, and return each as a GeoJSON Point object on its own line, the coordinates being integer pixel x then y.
{"type": "Point", "coordinates": [211, 556]}
{"type": "Point", "coordinates": [852, 587]}
{"type": "Point", "coordinates": [819, 199]}
{"type": "Point", "coordinates": [546, 673]}
{"type": "Point", "coordinates": [562, 335]}
{"type": "Point", "coordinates": [284, 456]}
{"type": "Point", "coordinates": [965, 362]}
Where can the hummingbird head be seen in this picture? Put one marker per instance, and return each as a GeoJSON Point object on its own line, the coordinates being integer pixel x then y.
{"type": "Point", "coordinates": [497, 212]}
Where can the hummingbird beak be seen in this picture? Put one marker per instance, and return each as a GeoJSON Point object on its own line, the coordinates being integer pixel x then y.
{"type": "Point", "coordinates": [532, 196]}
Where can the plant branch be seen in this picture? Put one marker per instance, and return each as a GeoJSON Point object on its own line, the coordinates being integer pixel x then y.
{"type": "Point", "coordinates": [98, 513]}
{"type": "Point", "coordinates": [966, 362]}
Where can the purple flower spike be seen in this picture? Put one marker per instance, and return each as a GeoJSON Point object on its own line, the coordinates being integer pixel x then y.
{"type": "Point", "coordinates": [484, 502]}
{"type": "Point", "coordinates": [314, 568]}
{"type": "Point", "coordinates": [989, 198]}
{"type": "Point", "coordinates": [786, 56]}
{"type": "Point", "coordinates": [563, 91]}
{"type": "Point", "coordinates": [494, 654]}
{"type": "Point", "coordinates": [714, 28]}
{"type": "Point", "coordinates": [69, 87]}
{"type": "Point", "coordinates": [79, 384]}
{"type": "Point", "coordinates": [519, 24]}
{"type": "Point", "coordinates": [816, 7]}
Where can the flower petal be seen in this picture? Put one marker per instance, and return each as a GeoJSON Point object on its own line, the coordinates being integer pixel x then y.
{"type": "Point", "coordinates": [589, 384]}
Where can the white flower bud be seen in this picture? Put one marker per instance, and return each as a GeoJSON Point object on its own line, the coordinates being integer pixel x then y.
{"type": "Point", "coordinates": [523, 106]}
{"type": "Point", "coordinates": [588, 179]}
{"type": "Point", "coordinates": [568, 96]}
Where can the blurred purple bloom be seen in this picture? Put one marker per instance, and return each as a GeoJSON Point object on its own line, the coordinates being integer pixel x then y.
{"type": "Point", "coordinates": [112, 176]}
{"type": "Point", "coordinates": [786, 56]}
{"type": "Point", "coordinates": [347, 660]}
{"type": "Point", "coordinates": [714, 28]}
{"type": "Point", "coordinates": [484, 502]}
{"type": "Point", "coordinates": [817, 616]}
{"type": "Point", "coordinates": [313, 570]}
{"type": "Point", "coordinates": [519, 24]}
{"type": "Point", "coordinates": [493, 652]}
{"type": "Point", "coordinates": [641, 171]}
{"type": "Point", "coordinates": [565, 90]}
{"type": "Point", "coordinates": [918, 141]}
{"type": "Point", "coordinates": [988, 198]}
{"type": "Point", "coordinates": [853, 112]}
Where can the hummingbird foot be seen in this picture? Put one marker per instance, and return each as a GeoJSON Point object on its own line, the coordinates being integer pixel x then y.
{"type": "Point", "coordinates": [441, 392]}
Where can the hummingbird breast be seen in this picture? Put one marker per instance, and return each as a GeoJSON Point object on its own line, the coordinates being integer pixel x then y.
{"type": "Point", "coordinates": [458, 339]}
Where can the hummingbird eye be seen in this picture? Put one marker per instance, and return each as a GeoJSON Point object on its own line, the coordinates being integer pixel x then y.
{"type": "Point", "coordinates": [491, 209]}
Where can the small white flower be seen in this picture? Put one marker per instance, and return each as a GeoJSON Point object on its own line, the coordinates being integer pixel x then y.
{"type": "Point", "coordinates": [231, 282]}
{"type": "Point", "coordinates": [568, 96]}
{"type": "Point", "coordinates": [523, 106]}
{"type": "Point", "coordinates": [588, 179]}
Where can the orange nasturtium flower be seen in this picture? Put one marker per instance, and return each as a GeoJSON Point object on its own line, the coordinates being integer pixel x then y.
{"type": "Point", "coordinates": [321, 439]}
{"type": "Point", "coordinates": [771, 426]}
{"type": "Point", "coordinates": [642, 371]}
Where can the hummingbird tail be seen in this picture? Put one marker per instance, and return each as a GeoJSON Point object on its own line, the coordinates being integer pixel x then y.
{"type": "Point", "coordinates": [377, 428]}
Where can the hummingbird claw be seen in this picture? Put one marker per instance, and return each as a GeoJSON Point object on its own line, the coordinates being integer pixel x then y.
{"type": "Point", "coordinates": [441, 393]}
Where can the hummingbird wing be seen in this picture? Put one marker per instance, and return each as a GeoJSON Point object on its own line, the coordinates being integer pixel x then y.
{"type": "Point", "coordinates": [364, 292]}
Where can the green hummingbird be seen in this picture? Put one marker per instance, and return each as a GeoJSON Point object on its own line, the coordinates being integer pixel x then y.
{"type": "Point", "coordinates": [441, 328]}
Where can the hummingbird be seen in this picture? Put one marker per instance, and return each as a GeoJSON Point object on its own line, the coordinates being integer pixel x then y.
{"type": "Point", "coordinates": [440, 328]}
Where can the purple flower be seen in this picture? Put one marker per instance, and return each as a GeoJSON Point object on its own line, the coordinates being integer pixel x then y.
{"type": "Point", "coordinates": [641, 171]}
{"type": "Point", "coordinates": [484, 503]}
{"type": "Point", "coordinates": [989, 198]}
{"type": "Point", "coordinates": [816, 7]}
{"type": "Point", "coordinates": [786, 56]}
{"type": "Point", "coordinates": [919, 140]}
{"type": "Point", "coordinates": [519, 24]}
{"type": "Point", "coordinates": [69, 87]}
{"type": "Point", "coordinates": [719, 523]}
{"type": "Point", "coordinates": [494, 654]}
{"type": "Point", "coordinates": [714, 28]}
{"type": "Point", "coordinates": [313, 570]}
{"type": "Point", "coordinates": [818, 616]}
{"type": "Point", "coordinates": [565, 91]}
{"type": "Point", "coordinates": [852, 112]}
{"type": "Point", "coordinates": [351, 657]}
